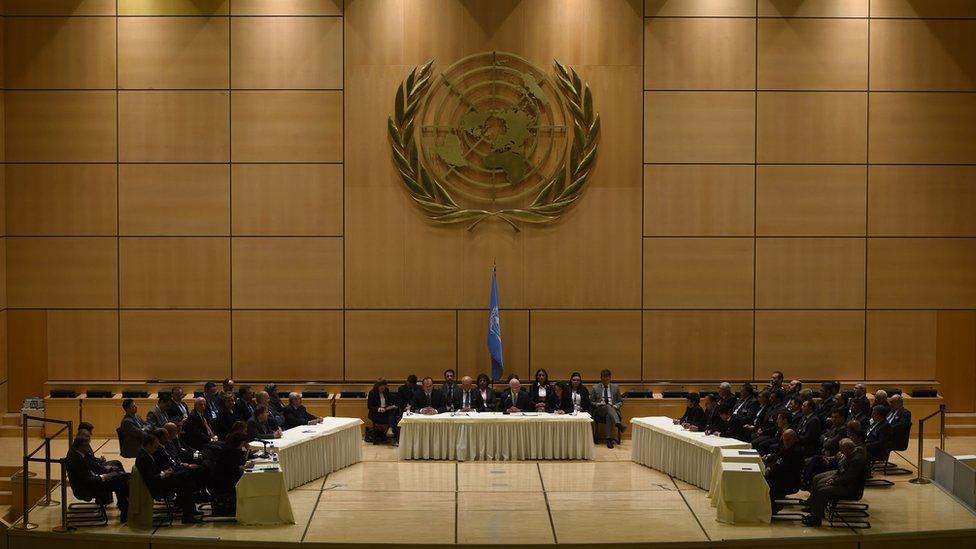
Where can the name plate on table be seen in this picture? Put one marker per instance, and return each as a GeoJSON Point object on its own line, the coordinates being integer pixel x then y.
{"type": "Point", "coordinates": [748, 452]}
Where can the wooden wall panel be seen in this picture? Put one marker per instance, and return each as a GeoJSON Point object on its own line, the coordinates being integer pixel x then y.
{"type": "Point", "coordinates": [956, 359]}
{"type": "Point", "coordinates": [927, 273]}
{"type": "Point", "coordinates": [563, 342]}
{"type": "Point", "coordinates": [287, 126]}
{"type": "Point", "coordinates": [287, 199]}
{"type": "Point", "coordinates": [175, 345]}
{"type": "Point", "coordinates": [286, 52]}
{"type": "Point", "coordinates": [174, 126]}
{"type": "Point", "coordinates": [473, 358]}
{"type": "Point", "coordinates": [810, 273]}
{"type": "Point", "coordinates": [811, 200]}
{"type": "Point", "coordinates": [64, 272]}
{"type": "Point", "coordinates": [26, 356]}
{"type": "Point", "coordinates": [805, 8]}
{"type": "Point", "coordinates": [901, 345]}
{"type": "Point", "coordinates": [174, 52]}
{"type": "Point", "coordinates": [174, 7]}
{"type": "Point", "coordinates": [3, 345]}
{"type": "Point", "coordinates": [286, 7]}
{"type": "Point", "coordinates": [60, 126]}
{"type": "Point", "coordinates": [727, 8]}
{"type": "Point", "coordinates": [59, 7]}
{"type": "Point", "coordinates": [174, 199]}
{"type": "Point", "coordinates": [704, 53]}
{"type": "Point", "coordinates": [812, 127]}
{"type": "Point", "coordinates": [82, 345]}
{"type": "Point", "coordinates": [288, 345]}
{"type": "Point", "coordinates": [923, 55]}
{"type": "Point", "coordinates": [394, 344]}
{"type": "Point", "coordinates": [699, 127]}
{"type": "Point", "coordinates": [813, 54]}
{"type": "Point", "coordinates": [812, 345]}
{"type": "Point", "coordinates": [292, 273]}
{"type": "Point", "coordinates": [698, 273]}
{"type": "Point", "coordinates": [59, 52]}
{"type": "Point", "coordinates": [922, 201]}
{"type": "Point", "coordinates": [698, 200]}
{"type": "Point", "coordinates": [705, 345]}
{"type": "Point", "coordinates": [61, 199]}
{"type": "Point", "coordinates": [929, 8]}
{"type": "Point", "coordinates": [920, 128]}
{"type": "Point", "coordinates": [175, 272]}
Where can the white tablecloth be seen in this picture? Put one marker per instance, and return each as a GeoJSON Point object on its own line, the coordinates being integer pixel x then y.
{"type": "Point", "coordinates": [733, 455]}
{"type": "Point", "coordinates": [309, 452]}
{"type": "Point", "coordinates": [742, 495]}
{"type": "Point", "coordinates": [690, 456]}
{"type": "Point", "coordinates": [263, 499]}
{"type": "Point", "coordinates": [495, 436]}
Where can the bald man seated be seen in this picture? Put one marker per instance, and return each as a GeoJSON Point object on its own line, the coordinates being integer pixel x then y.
{"type": "Point", "coordinates": [784, 468]}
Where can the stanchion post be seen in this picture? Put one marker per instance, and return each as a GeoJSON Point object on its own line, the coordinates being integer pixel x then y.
{"type": "Point", "coordinates": [921, 438]}
{"type": "Point", "coordinates": [48, 502]}
{"type": "Point", "coordinates": [64, 503]}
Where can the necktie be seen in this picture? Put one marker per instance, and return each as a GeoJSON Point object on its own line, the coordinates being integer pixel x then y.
{"type": "Point", "coordinates": [606, 394]}
{"type": "Point", "coordinates": [206, 424]}
{"type": "Point", "coordinates": [466, 399]}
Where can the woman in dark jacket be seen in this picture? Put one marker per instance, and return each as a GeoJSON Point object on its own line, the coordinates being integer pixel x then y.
{"type": "Point", "coordinates": [559, 401]}
{"type": "Point", "coordinates": [694, 416]}
{"type": "Point", "coordinates": [579, 396]}
{"type": "Point", "coordinates": [489, 401]}
{"type": "Point", "coordinates": [540, 390]}
{"type": "Point", "coordinates": [382, 411]}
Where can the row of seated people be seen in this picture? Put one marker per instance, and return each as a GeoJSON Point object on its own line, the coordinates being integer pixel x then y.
{"type": "Point", "coordinates": [801, 438]}
{"type": "Point", "coordinates": [386, 408]}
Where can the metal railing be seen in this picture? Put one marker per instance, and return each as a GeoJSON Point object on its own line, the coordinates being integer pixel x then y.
{"type": "Point", "coordinates": [24, 522]}
{"type": "Point", "coordinates": [921, 440]}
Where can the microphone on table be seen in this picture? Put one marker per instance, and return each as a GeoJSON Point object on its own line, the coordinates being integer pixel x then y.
{"type": "Point", "coordinates": [266, 452]}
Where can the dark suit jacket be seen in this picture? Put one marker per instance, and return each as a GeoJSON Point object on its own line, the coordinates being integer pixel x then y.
{"type": "Point", "coordinates": [489, 404]}
{"type": "Point", "coordinates": [405, 395]}
{"type": "Point", "coordinates": [694, 415]}
{"type": "Point", "coordinates": [746, 409]}
{"type": "Point", "coordinates": [809, 430]}
{"type": "Point", "coordinates": [852, 471]}
{"type": "Point", "coordinates": [244, 409]}
{"type": "Point", "coordinates": [877, 441]}
{"type": "Point", "coordinates": [768, 426]}
{"type": "Point", "coordinates": [474, 399]}
{"type": "Point", "coordinates": [785, 468]}
{"type": "Point", "coordinates": [156, 417]}
{"type": "Point", "coordinates": [195, 431]}
{"type": "Point", "coordinates": [228, 470]}
{"type": "Point", "coordinates": [825, 409]}
{"type": "Point", "coordinates": [85, 484]}
{"type": "Point", "coordinates": [226, 419]}
{"type": "Point", "coordinates": [734, 428]}
{"type": "Point", "coordinates": [830, 439]}
{"type": "Point", "coordinates": [534, 392]}
{"type": "Point", "coordinates": [448, 392]}
{"type": "Point", "coordinates": [178, 411]}
{"type": "Point", "coordinates": [373, 400]}
{"type": "Point", "coordinates": [295, 417]}
{"type": "Point", "coordinates": [256, 429]}
{"type": "Point", "coordinates": [712, 421]}
{"type": "Point", "coordinates": [758, 416]}
{"type": "Point", "coordinates": [131, 432]}
{"type": "Point", "coordinates": [901, 428]}
{"type": "Point", "coordinates": [523, 401]}
{"type": "Point", "coordinates": [150, 472]}
{"type": "Point", "coordinates": [565, 403]}
{"type": "Point", "coordinates": [435, 401]}
{"type": "Point", "coordinates": [584, 398]}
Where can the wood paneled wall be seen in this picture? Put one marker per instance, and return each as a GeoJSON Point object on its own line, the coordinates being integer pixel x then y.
{"type": "Point", "coordinates": [203, 189]}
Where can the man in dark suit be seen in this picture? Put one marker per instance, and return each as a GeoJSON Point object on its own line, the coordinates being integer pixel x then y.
{"type": "Point", "coordinates": [514, 399]}
{"type": "Point", "coordinates": [406, 392]}
{"type": "Point", "coordinates": [428, 400]}
{"type": "Point", "coordinates": [860, 395]}
{"type": "Point", "coordinates": [245, 402]}
{"type": "Point", "coordinates": [276, 418]}
{"type": "Point", "coordinates": [90, 484]}
{"type": "Point", "coordinates": [449, 389]}
{"type": "Point", "coordinates": [756, 420]}
{"type": "Point", "coordinates": [725, 394]}
{"type": "Point", "coordinates": [159, 414]}
{"type": "Point", "coordinates": [165, 482]}
{"type": "Point", "coordinates": [260, 426]}
{"type": "Point", "coordinates": [784, 468]}
{"type": "Point", "coordinates": [132, 430]}
{"type": "Point", "coordinates": [808, 430]}
{"type": "Point", "coordinates": [768, 427]}
{"type": "Point", "coordinates": [198, 432]}
{"type": "Point", "coordinates": [827, 402]}
{"type": "Point", "coordinates": [747, 404]}
{"type": "Point", "coordinates": [606, 402]}
{"type": "Point", "coordinates": [468, 398]}
{"type": "Point", "coordinates": [178, 411]}
{"type": "Point", "coordinates": [212, 397]}
{"type": "Point", "coordinates": [877, 439]}
{"type": "Point", "coordinates": [900, 419]}
{"type": "Point", "coordinates": [731, 426]}
{"type": "Point", "coordinates": [712, 422]}
{"type": "Point", "coordinates": [296, 414]}
{"type": "Point", "coordinates": [846, 482]}
{"type": "Point", "coordinates": [775, 381]}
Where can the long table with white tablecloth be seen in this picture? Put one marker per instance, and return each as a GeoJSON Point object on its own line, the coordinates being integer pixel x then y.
{"type": "Point", "coordinates": [312, 451]}
{"type": "Point", "coordinates": [494, 436]}
{"type": "Point", "coordinates": [689, 456]}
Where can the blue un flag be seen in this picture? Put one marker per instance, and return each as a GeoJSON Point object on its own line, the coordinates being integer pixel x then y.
{"type": "Point", "coordinates": [494, 330]}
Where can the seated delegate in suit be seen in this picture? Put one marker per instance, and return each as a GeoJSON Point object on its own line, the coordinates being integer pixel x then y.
{"type": "Point", "coordinates": [486, 394]}
{"type": "Point", "coordinates": [694, 416]}
{"type": "Point", "coordinates": [159, 414]}
{"type": "Point", "coordinates": [91, 484]}
{"type": "Point", "coordinates": [99, 465]}
{"type": "Point", "coordinates": [197, 430]}
{"type": "Point", "coordinates": [177, 410]}
{"type": "Point", "coordinates": [276, 418]}
{"type": "Point", "coordinates": [784, 468]}
{"type": "Point", "coordinates": [808, 429]}
{"type": "Point", "coordinates": [900, 419]}
{"type": "Point", "coordinates": [830, 439]}
{"type": "Point", "coordinates": [260, 427]}
{"type": "Point", "coordinates": [228, 414]}
{"type": "Point", "coordinates": [427, 400]}
{"type": "Point", "coordinates": [753, 422]}
{"type": "Point", "coordinates": [877, 438]}
{"type": "Point", "coordinates": [712, 420]}
{"type": "Point", "coordinates": [382, 409]}
{"type": "Point", "coordinates": [246, 402]}
{"type": "Point", "coordinates": [162, 482]}
{"type": "Point", "coordinates": [540, 390]}
{"type": "Point", "coordinates": [559, 401]}
{"type": "Point", "coordinates": [514, 399]}
{"type": "Point", "coordinates": [606, 402]}
{"type": "Point", "coordinates": [467, 398]}
{"type": "Point", "coordinates": [731, 426]}
{"type": "Point", "coordinates": [276, 408]}
{"type": "Point", "coordinates": [769, 445]}
{"type": "Point", "coordinates": [448, 389]}
{"type": "Point", "coordinates": [846, 482]}
{"type": "Point", "coordinates": [747, 403]}
{"type": "Point", "coordinates": [296, 414]}
{"type": "Point", "coordinates": [231, 462]}
{"type": "Point", "coordinates": [405, 393]}
{"type": "Point", "coordinates": [132, 430]}
{"type": "Point", "coordinates": [725, 394]}
{"type": "Point", "coordinates": [578, 393]}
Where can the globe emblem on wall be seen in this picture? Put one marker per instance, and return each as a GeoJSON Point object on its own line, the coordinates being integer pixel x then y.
{"type": "Point", "coordinates": [494, 137]}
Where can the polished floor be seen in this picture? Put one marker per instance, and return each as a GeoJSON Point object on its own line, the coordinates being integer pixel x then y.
{"type": "Point", "coordinates": [609, 500]}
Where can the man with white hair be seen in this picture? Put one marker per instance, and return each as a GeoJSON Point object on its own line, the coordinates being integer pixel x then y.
{"type": "Point", "coordinates": [900, 419]}
{"type": "Point", "coordinates": [296, 414]}
{"type": "Point", "coordinates": [468, 398]}
{"type": "Point", "coordinates": [846, 482]}
{"type": "Point", "coordinates": [725, 395]}
{"type": "Point", "coordinates": [516, 400]}
{"type": "Point", "coordinates": [881, 397]}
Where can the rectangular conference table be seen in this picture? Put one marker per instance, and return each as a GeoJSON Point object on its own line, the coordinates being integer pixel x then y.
{"type": "Point", "coordinates": [690, 456]}
{"type": "Point", "coordinates": [489, 436]}
{"type": "Point", "coordinates": [311, 451]}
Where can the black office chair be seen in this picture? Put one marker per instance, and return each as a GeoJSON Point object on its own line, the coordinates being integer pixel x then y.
{"type": "Point", "coordinates": [91, 511]}
{"type": "Point", "coordinates": [900, 436]}
{"type": "Point", "coordinates": [848, 512]}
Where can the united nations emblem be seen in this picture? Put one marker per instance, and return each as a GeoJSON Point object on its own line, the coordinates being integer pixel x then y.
{"type": "Point", "coordinates": [493, 136]}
